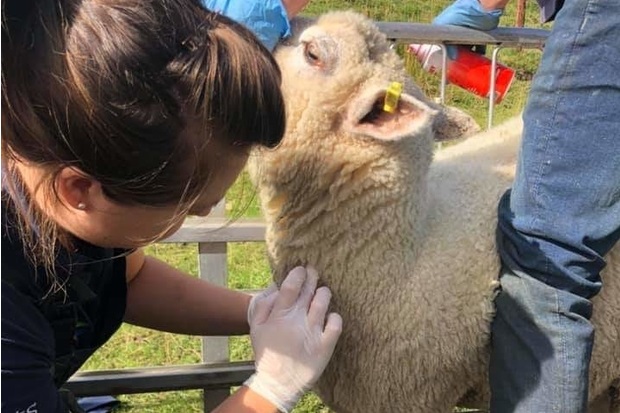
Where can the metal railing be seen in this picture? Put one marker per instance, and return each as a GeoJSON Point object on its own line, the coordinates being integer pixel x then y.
{"type": "Point", "coordinates": [500, 38]}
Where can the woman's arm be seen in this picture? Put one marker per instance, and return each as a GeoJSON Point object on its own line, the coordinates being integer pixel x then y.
{"type": "Point", "coordinates": [245, 400]}
{"type": "Point", "coordinates": [292, 336]}
{"type": "Point", "coordinates": [163, 298]}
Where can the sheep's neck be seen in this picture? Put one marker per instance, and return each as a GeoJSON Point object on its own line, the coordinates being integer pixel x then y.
{"type": "Point", "coordinates": [332, 225]}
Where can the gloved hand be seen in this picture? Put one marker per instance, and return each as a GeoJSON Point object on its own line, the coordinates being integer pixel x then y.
{"type": "Point", "coordinates": [273, 288]}
{"type": "Point", "coordinates": [267, 19]}
{"type": "Point", "coordinates": [468, 13]}
{"type": "Point", "coordinates": [292, 339]}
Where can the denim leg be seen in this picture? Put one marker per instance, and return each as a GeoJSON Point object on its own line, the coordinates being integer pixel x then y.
{"type": "Point", "coordinates": [561, 216]}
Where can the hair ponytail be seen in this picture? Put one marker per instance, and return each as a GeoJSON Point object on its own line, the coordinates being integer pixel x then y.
{"type": "Point", "coordinates": [129, 92]}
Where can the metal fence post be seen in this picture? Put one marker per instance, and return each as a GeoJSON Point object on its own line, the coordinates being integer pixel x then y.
{"type": "Point", "coordinates": [212, 263]}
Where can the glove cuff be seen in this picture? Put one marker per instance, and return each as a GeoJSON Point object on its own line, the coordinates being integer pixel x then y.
{"type": "Point", "coordinates": [274, 392]}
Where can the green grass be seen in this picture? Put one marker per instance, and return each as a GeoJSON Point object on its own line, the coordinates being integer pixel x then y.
{"type": "Point", "coordinates": [248, 268]}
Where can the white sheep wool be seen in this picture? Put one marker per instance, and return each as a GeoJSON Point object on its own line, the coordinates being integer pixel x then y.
{"type": "Point", "coordinates": [405, 242]}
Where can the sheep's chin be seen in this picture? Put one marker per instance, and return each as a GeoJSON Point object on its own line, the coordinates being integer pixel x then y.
{"type": "Point", "coordinates": [369, 119]}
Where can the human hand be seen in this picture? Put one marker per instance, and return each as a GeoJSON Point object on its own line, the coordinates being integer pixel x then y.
{"type": "Point", "coordinates": [260, 297]}
{"type": "Point", "coordinates": [469, 13]}
{"type": "Point", "coordinates": [293, 7]}
{"type": "Point", "coordinates": [292, 339]}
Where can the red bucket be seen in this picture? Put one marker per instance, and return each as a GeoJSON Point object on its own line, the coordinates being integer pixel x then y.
{"type": "Point", "coordinates": [470, 71]}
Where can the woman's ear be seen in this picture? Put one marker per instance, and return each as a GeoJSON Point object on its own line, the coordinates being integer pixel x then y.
{"type": "Point", "coordinates": [75, 189]}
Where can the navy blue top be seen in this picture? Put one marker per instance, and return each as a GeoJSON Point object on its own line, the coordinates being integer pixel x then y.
{"type": "Point", "coordinates": [47, 335]}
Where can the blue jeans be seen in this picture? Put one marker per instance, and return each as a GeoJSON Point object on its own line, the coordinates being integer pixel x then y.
{"type": "Point", "coordinates": [560, 218]}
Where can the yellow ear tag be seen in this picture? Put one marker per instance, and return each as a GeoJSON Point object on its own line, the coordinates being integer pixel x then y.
{"type": "Point", "coordinates": [392, 96]}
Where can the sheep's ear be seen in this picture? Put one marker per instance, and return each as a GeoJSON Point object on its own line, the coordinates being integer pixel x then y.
{"type": "Point", "coordinates": [367, 116]}
{"type": "Point", "coordinates": [452, 123]}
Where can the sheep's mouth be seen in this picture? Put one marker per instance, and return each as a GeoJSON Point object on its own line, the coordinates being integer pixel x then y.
{"type": "Point", "coordinates": [368, 117]}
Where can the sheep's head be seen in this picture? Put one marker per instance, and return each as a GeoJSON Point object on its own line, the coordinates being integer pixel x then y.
{"type": "Point", "coordinates": [335, 75]}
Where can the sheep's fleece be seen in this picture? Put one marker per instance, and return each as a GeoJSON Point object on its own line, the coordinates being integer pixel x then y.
{"type": "Point", "coordinates": [406, 246]}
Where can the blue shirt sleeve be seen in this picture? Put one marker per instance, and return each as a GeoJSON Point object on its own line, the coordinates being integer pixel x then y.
{"type": "Point", "coordinates": [267, 19]}
{"type": "Point", "coordinates": [27, 357]}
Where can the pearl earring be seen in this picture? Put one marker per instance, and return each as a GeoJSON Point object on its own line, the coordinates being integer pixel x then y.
{"type": "Point", "coordinates": [81, 206]}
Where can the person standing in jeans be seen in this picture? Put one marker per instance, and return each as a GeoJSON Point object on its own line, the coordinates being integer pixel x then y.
{"type": "Point", "coordinates": [562, 214]}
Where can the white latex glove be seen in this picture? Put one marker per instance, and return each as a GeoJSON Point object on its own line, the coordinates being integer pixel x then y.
{"type": "Point", "coordinates": [260, 297]}
{"type": "Point", "coordinates": [292, 339]}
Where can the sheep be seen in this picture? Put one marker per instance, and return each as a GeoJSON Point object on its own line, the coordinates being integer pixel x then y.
{"type": "Point", "coordinates": [405, 242]}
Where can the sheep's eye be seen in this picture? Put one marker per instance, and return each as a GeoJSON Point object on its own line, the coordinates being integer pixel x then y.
{"type": "Point", "coordinates": [311, 53]}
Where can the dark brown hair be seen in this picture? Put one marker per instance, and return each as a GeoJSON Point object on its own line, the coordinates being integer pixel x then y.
{"type": "Point", "coordinates": [110, 86]}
